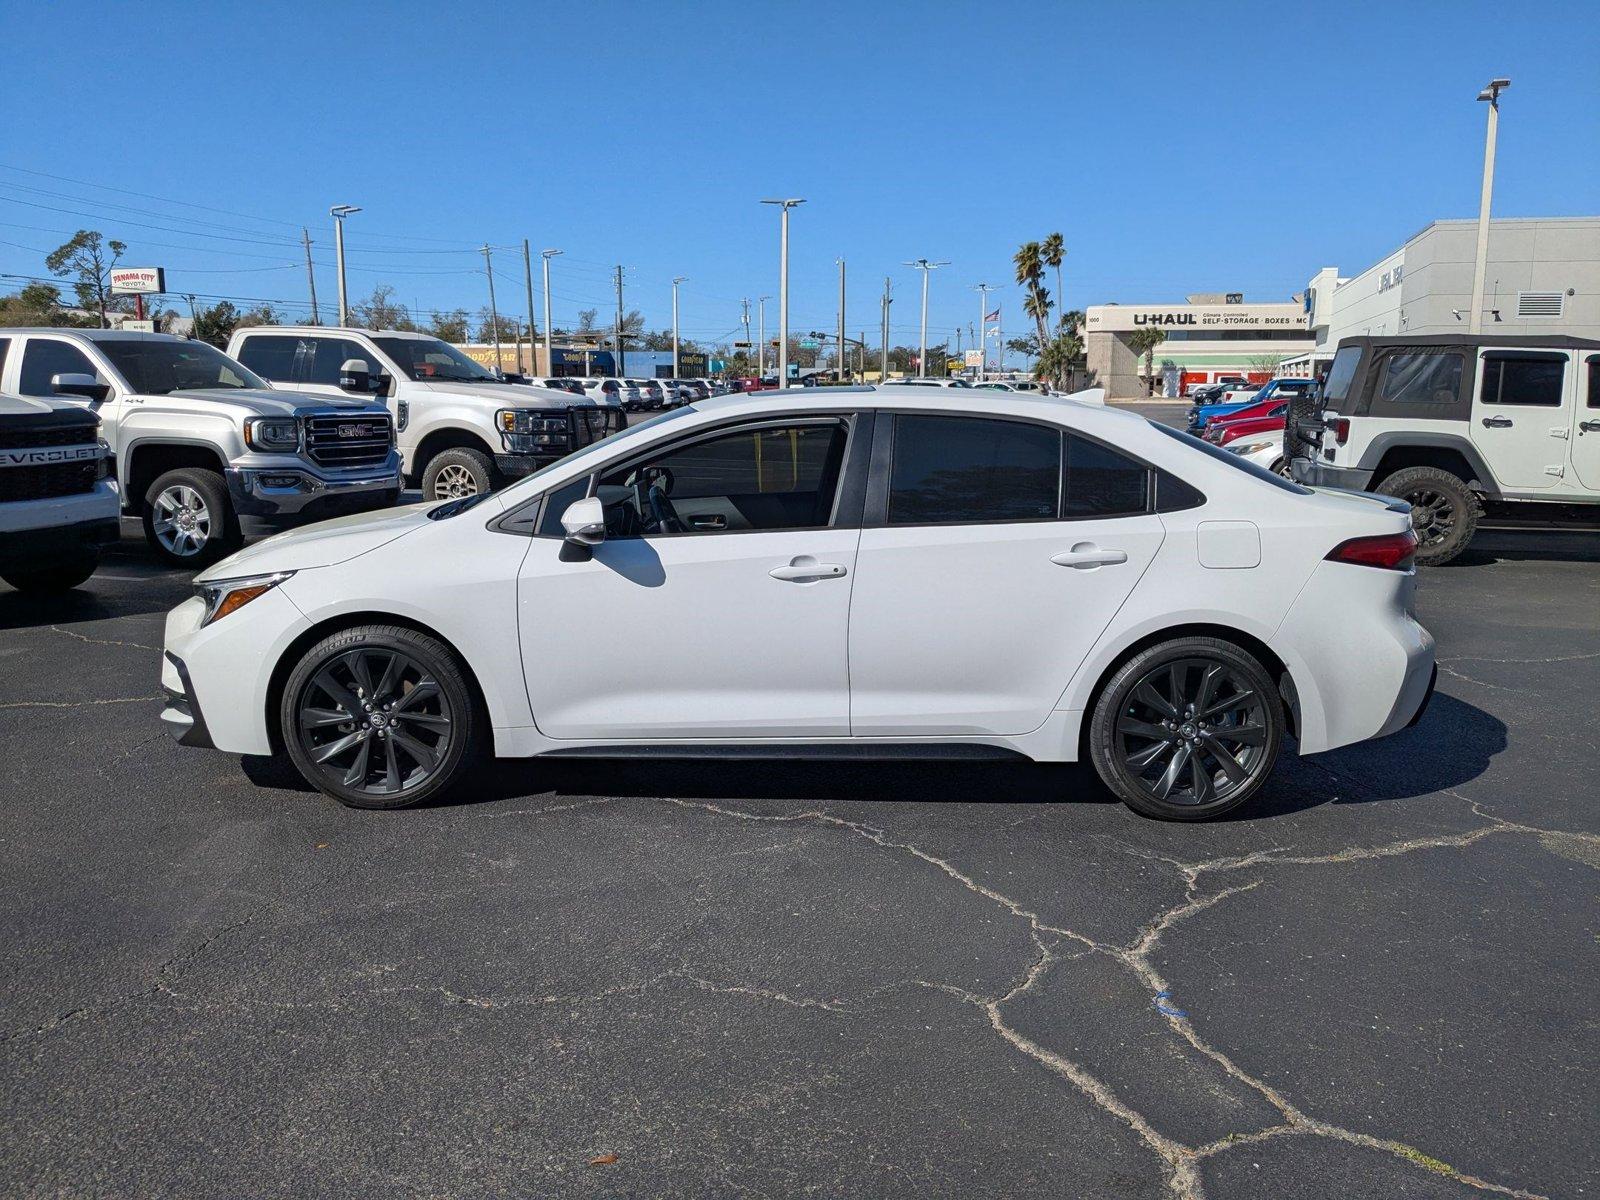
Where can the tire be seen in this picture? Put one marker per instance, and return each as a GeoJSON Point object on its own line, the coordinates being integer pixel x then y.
{"type": "Point", "coordinates": [1444, 511]}
{"type": "Point", "coordinates": [62, 577]}
{"type": "Point", "coordinates": [394, 751]}
{"type": "Point", "coordinates": [188, 519]}
{"type": "Point", "coordinates": [452, 474]}
{"type": "Point", "coordinates": [1163, 762]}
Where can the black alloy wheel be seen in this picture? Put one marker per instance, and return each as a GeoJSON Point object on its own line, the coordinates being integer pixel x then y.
{"type": "Point", "coordinates": [1187, 730]}
{"type": "Point", "coordinates": [1444, 511]}
{"type": "Point", "coordinates": [378, 717]}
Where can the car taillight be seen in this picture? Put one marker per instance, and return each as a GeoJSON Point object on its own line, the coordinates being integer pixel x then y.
{"type": "Point", "coordinates": [1341, 429]}
{"type": "Point", "coordinates": [1391, 551]}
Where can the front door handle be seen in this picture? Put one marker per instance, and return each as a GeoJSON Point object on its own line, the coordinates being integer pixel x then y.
{"type": "Point", "coordinates": [1589, 426]}
{"type": "Point", "coordinates": [1086, 555]}
{"type": "Point", "coordinates": [1497, 422]}
{"type": "Point", "coordinates": [806, 569]}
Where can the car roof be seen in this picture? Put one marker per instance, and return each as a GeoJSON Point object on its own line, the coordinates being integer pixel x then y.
{"type": "Point", "coordinates": [93, 335]}
{"type": "Point", "coordinates": [336, 330]}
{"type": "Point", "coordinates": [1528, 341]}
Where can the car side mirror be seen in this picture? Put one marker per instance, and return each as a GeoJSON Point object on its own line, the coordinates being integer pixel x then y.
{"type": "Point", "coordinates": [356, 376]}
{"type": "Point", "coordinates": [77, 384]}
{"type": "Point", "coordinates": [584, 522]}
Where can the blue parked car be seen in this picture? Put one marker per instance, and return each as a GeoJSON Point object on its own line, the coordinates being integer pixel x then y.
{"type": "Point", "coordinates": [1283, 389]}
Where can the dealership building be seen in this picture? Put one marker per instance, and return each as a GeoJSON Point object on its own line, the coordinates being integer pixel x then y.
{"type": "Point", "coordinates": [1542, 277]}
{"type": "Point", "coordinates": [1207, 337]}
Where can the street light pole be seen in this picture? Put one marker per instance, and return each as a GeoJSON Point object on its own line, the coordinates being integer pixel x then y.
{"type": "Point", "coordinates": [675, 282]}
{"type": "Point", "coordinates": [983, 290]}
{"type": "Point", "coordinates": [494, 313]}
{"type": "Point", "coordinates": [339, 212]}
{"type": "Point", "coordinates": [527, 278]}
{"type": "Point", "coordinates": [1480, 265]}
{"type": "Point", "coordinates": [549, 350]}
{"type": "Point", "coordinates": [783, 290]}
{"type": "Point", "coordinates": [924, 266]}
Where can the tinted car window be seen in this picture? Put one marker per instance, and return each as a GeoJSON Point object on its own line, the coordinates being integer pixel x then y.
{"type": "Point", "coordinates": [328, 355]}
{"type": "Point", "coordinates": [1532, 379]}
{"type": "Point", "coordinates": [5, 345]}
{"type": "Point", "coordinates": [557, 503]}
{"type": "Point", "coordinates": [42, 359]}
{"type": "Point", "coordinates": [270, 356]}
{"type": "Point", "coordinates": [1101, 482]}
{"type": "Point", "coordinates": [1341, 373]}
{"type": "Point", "coordinates": [969, 470]}
{"type": "Point", "coordinates": [1421, 379]}
{"type": "Point", "coordinates": [1593, 360]}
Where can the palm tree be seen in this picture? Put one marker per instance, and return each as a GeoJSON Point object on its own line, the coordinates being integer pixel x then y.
{"type": "Point", "coordinates": [1144, 341]}
{"type": "Point", "coordinates": [1051, 251]}
{"type": "Point", "coordinates": [1029, 264]}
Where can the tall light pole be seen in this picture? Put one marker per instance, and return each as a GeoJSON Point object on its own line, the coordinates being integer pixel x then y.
{"type": "Point", "coordinates": [924, 266]}
{"type": "Point", "coordinates": [783, 290]}
{"type": "Point", "coordinates": [339, 212]}
{"type": "Point", "coordinates": [841, 320]}
{"type": "Point", "coordinates": [1481, 263]}
{"type": "Point", "coordinates": [761, 335]}
{"type": "Point", "coordinates": [494, 313]}
{"type": "Point", "coordinates": [983, 290]}
{"type": "Point", "coordinates": [549, 350]}
{"type": "Point", "coordinates": [527, 278]}
{"type": "Point", "coordinates": [675, 282]}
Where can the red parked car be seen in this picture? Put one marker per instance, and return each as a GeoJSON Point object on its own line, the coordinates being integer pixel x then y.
{"type": "Point", "coordinates": [1218, 429]}
{"type": "Point", "coordinates": [1235, 430]}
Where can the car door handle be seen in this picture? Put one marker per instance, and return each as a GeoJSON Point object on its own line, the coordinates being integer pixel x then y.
{"type": "Point", "coordinates": [1086, 555]}
{"type": "Point", "coordinates": [1497, 422]}
{"type": "Point", "coordinates": [1589, 426]}
{"type": "Point", "coordinates": [712, 521]}
{"type": "Point", "coordinates": [805, 568]}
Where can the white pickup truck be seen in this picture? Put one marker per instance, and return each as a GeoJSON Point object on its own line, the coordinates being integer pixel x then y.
{"type": "Point", "coordinates": [461, 429]}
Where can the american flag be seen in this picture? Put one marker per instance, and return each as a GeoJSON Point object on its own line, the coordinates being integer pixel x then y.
{"type": "Point", "coordinates": [994, 316]}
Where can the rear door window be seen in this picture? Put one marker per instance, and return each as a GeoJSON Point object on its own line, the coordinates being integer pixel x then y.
{"type": "Point", "coordinates": [973, 470]}
{"type": "Point", "coordinates": [1100, 482]}
{"type": "Point", "coordinates": [1534, 380]}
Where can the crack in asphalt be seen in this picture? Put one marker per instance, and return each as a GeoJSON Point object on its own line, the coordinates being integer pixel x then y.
{"type": "Point", "coordinates": [76, 703]}
{"type": "Point", "coordinates": [93, 641]}
{"type": "Point", "coordinates": [1181, 1160]}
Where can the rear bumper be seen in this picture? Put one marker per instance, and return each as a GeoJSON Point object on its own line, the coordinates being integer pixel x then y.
{"type": "Point", "coordinates": [1315, 473]}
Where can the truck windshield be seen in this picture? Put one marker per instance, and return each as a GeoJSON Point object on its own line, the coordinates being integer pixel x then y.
{"type": "Point", "coordinates": [154, 368]}
{"type": "Point", "coordinates": [428, 360]}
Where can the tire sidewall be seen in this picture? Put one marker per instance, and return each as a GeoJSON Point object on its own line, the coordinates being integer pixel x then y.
{"type": "Point", "coordinates": [1106, 755]}
{"type": "Point", "coordinates": [476, 461]}
{"type": "Point", "coordinates": [440, 662]}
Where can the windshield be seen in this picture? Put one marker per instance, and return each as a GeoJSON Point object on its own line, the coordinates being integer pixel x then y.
{"type": "Point", "coordinates": [1237, 462]}
{"type": "Point", "coordinates": [155, 368]}
{"type": "Point", "coordinates": [428, 360]}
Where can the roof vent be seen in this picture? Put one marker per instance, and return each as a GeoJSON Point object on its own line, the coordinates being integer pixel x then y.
{"type": "Point", "coordinates": [1539, 305]}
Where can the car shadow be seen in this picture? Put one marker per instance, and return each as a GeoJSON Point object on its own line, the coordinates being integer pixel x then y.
{"type": "Point", "coordinates": [1451, 746]}
{"type": "Point", "coordinates": [1544, 545]}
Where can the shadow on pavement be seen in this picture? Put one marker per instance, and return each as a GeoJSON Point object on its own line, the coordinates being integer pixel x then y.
{"type": "Point", "coordinates": [1547, 545]}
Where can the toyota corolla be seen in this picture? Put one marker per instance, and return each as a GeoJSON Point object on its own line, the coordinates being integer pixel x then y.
{"type": "Point", "coordinates": [899, 572]}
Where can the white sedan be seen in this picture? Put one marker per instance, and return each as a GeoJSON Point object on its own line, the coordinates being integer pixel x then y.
{"type": "Point", "coordinates": [904, 572]}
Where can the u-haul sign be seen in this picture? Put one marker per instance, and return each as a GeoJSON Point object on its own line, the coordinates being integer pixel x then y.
{"type": "Point", "coordinates": [138, 281]}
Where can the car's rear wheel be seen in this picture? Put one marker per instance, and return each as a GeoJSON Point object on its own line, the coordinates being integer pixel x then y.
{"type": "Point", "coordinates": [380, 716]}
{"type": "Point", "coordinates": [1187, 730]}
{"type": "Point", "coordinates": [1444, 511]}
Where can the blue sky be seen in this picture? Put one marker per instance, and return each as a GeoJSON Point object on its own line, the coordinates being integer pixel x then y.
{"type": "Point", "coordinates": [1177, 147]}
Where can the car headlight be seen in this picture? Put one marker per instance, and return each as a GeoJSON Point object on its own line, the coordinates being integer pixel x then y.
{"type": "Point", "coordinates": [272, 433]}
{"type": "Point", "coordinates": [1252, 447]}
{"type": "Point", "coordinates": [223, 596]}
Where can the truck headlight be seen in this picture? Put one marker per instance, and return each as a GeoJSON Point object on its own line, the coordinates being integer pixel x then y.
{"type": "Point", "coordinates": [223, 596]}
{"type": "Point", "coordinates": [272, 433]}
{"type": "Point", "coordinates": [523, 420]}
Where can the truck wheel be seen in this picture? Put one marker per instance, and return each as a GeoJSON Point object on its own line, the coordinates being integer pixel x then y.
{"type": "Point", "coordinates": [1187, 730]}
{"type": "Point", "coordinates": [188, 520]}
{"type": "Point", "coordinates": [451, 474]}
{"type": "Point", "coordinates": [380, 716]}
{"type": "Point", "coordinates": [1444, 510]}
{"type": "Point", "coordinates": [62, 577]}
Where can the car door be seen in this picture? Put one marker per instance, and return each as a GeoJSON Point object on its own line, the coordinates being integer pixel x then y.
{"type": "Point", "coordinates": [1522, 417]}
{"type": "Point", "coordinates": [1586, 436]}
{"type": "Point", "coordinates": [718, 604]}
{"type": "Point", "coordinates": [994, 554]}
{"type": "Point", "coordinates": [44, 357]}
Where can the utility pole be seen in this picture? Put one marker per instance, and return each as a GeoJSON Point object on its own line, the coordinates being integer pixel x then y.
{"type": "Point", "coordinates": [676, 281]}
{"type": "Point", "coordinates": [622, 355]}
{"type": "Point", "coordinates": [311, 277]}
{"type": "Point", "coordinates": [841, 320]}
{"type": "Point", "coordinates": [527, 277]}
{"type": "Point", "coordinates": [783, 289]}
{"type": "Point", "coordinates": [339, 212]}
{"type": "Point", "coordinates": [883, 371]}
{"type": "Point", "coordinates": [861, 356]}
{"type": "Point", "coordinates": [494, 314]}
{"type": "Point", "coordinates": [745, 321]}
{"type": "Point", "coordinates": [1480, 265]}
{"type": "Point", "coordinates": [761, 331]}
{"type": "Point", "coordinates": [925, 267]}
{"type": "Point", "coordinates": [549, 349]}
{"type": "Point", "coordinates": [983, 290]}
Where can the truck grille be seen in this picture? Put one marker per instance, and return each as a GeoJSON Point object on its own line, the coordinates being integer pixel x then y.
{"type": "Point", "coordinates": [61, 435]}
{"type": "Point", "coordinates": [349, 441]}
{"type": "Point", "coordinates": [43, 483]}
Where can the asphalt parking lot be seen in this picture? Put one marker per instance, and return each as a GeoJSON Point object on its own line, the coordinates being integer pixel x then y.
{"type": "Point", "coordinates": [779, 979]}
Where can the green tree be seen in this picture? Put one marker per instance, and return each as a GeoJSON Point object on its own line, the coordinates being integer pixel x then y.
{"type": "Point", "coordinates": [89, 257]}
{"type": "Point", "coordinates": [382, 311]}
{"type": "Point", "coordinates": [1051, 251]}
{"type": "Point", "coordinates": [1144, 342]}
{"type": "Point", "coordinates": [510, 329]}
{"type": "Point", "coordinates": [449, 326]}
{"type": "Point", "coordinates": [38, 304]}
{"type": "Point", "coordinates": [215, 324]}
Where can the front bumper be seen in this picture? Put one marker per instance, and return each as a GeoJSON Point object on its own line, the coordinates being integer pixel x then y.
{"type": "Point", "coordinates": [182, 716]}
{"type": "Point", "coordinates": [289, 486]}
{"type": "Point", "coordinates": [36, 548]}
{"type": "Point", "coordinates": [1314, 472]}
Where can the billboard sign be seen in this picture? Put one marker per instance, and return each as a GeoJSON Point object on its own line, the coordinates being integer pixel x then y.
{"type": "Point", "coordinates": [1125, 318]}
{"type": "Point", "coordinates": [138, 281]}
{"type": "Point", "coordinates": [973, 358]}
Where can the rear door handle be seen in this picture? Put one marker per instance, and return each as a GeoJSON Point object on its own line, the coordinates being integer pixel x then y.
{"type": "Point", "coordinates": [1086, 555]}
{"type": "Point", "coordinates": [805, 569]}
{"type": "Point", "coordinates": [1589, 426]}
{"type": "Point", "coordinates": [1497, 422]}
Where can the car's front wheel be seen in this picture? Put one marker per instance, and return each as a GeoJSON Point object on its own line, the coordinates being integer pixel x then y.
{"type": "Point", "coordinates": [60, 577]}
{"type": "Point", "coordinates": [380, 716]}
{"type": "Point", "coordinates": [188, 520]}
{"type": "Point", "coordinates": [1187, 730]}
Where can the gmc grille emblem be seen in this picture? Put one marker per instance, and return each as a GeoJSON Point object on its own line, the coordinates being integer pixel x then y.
{"type": "Point", "coordinates": [353, 431]}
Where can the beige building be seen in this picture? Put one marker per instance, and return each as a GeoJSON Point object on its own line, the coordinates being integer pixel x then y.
{"type": "Point", "coordinates": [1206, 337]}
